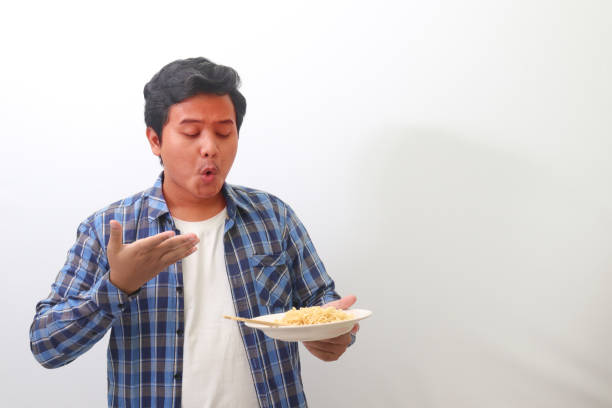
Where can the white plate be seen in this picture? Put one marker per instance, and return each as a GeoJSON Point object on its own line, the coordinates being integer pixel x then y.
{"type": "Point", "coordinates": [310, 332]}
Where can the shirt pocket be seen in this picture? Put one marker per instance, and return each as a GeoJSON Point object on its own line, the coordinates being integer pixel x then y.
{"type": "Point", "coordinates": [272, 281]}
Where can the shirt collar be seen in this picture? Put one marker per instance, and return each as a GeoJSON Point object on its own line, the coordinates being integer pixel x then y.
{"type": "Point", "coordinates": [157, 203]}
{"type": "Point", "coordinates": [233, 200]}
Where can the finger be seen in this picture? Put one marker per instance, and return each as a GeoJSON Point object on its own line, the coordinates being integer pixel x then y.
{"type": "Point", "coordinates": [355, 329]}
{"type": "Point", "coordinates": [155, 240]}
{"type": "Point", "coordinates": [343, 303]}
{"type": "Point", "coordinates": [116, 236]}
{"type": "Point", "coordinates": [174, 246]}
{"type": "Point", "coordinates": [171, 257]}
{"type": "Point", "coordinates": [175, 243]}
{"type": "Point", "coordinates": [326, 347]}
{"type": "Point", "coordinates": [325, 351]}
{"type": "Point", "coordinates": [322, 355]}
{"type": "Point", "coordinates": [343, 340]}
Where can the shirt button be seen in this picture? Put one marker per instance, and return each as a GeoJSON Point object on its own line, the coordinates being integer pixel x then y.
{"type": "Point", "coordinates": [179, 290]}
{"type": "Point", "coordinates": [121, 305]}
{"type": "Point", "coordinates": [177, 376]}
{"type": "Point", "coordinates": [179, 332]}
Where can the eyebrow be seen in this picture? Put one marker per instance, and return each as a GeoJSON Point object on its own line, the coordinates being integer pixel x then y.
{"type": "Point", "coordinates": [223, 122]}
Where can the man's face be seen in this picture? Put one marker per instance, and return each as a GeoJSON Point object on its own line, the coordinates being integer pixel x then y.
{"type": "Point", "coordinates": [198, 147]}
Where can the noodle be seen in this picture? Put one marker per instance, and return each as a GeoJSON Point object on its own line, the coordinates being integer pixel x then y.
{"type": "Point", "coordinates": [313, 315]}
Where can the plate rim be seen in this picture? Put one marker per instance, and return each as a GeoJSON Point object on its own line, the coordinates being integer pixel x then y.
{"type": "Point", "coordinates": [367, 314]}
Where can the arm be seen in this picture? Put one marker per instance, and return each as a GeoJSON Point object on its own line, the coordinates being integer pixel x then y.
{"type": "Point", "coordinates": [311, 284]}
{"type": "Point", "coordinates": [315, 287]}
{"type": "Point", "coordinates": [91, 289]}
{"type": "Point", "coordinates": [81, 307]}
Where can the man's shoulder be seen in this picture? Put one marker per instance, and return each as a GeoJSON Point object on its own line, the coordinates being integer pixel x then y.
{"type": "Point", "coordinates": [254, 196]}
{"type": "Point", "coordinates": [126, 209]}
{"type": "Point", "coordinates": [253, 199]}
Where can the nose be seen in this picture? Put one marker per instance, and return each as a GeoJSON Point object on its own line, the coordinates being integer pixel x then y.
{"type": "Point", "coordinates": [208, 145]}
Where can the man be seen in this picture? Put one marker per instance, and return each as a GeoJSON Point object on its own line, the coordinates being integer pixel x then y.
{"type": "Point", "coordinates": [160, 268]}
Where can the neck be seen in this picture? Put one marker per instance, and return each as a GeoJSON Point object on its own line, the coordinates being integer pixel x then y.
{"type": "Point", "coordinates": [189, 210]}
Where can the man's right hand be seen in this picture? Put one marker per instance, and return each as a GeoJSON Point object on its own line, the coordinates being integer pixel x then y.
{"type": "Point", "coordinates": [132, 265]}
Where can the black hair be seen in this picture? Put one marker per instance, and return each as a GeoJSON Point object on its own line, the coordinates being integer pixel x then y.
{"type": "Point", "coordinates": [184, 78]}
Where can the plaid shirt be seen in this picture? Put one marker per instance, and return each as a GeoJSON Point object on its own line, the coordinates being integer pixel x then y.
{"type": "Point", "coordinates": [271, 265]}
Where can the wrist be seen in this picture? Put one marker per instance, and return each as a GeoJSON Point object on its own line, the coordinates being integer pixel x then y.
{"type": "Point", "coordinates": [124, 285]}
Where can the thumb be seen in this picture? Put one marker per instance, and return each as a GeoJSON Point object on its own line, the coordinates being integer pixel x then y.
{"type": "Point", "coordinates": [343, 303]}
{"type": "Point", "coordinates": [116, 236]}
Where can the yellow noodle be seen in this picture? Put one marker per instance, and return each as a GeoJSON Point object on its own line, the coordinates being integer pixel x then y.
{"type": "Point", "coordinates": [313, 315]}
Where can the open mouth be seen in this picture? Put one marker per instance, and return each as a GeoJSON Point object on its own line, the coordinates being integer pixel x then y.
{"type": "Point", "coordinates": [209, 170]}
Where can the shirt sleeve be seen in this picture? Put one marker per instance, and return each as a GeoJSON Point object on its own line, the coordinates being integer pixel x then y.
{"type": "Point", "coordinates": [314, 287]}
{"type": "Point", "coordinates": [311, 284]}
{"type": "Point", "coordinates": [81, 307]}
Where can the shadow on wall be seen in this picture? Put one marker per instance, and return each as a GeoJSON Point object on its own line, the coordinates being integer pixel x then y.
{"type": "Point", "coordinates": [473, 259]}
{"type": "Point", "coordinates": [429, 200]}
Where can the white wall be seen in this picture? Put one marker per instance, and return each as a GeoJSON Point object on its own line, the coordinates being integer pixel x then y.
{"type": "Point", "coordinates": [450, 160]}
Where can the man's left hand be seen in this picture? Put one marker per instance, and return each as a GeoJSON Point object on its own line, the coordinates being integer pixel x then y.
{"type": "Point", "coordinates": [332, 349]}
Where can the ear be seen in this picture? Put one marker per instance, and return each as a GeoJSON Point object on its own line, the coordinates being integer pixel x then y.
{"type": "Point", "coordinates": [154, 141]}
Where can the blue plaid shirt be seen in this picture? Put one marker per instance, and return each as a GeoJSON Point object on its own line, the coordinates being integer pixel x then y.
{"type": "Point", "coordinates": [271, 265]}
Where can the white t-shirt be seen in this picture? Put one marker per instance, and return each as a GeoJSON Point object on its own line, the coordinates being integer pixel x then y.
{"type": "Point", "coordinates": [216, 371]}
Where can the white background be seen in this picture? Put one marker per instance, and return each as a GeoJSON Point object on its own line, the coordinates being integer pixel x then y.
{"type": "Point", "coordinates": [449, 158]}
